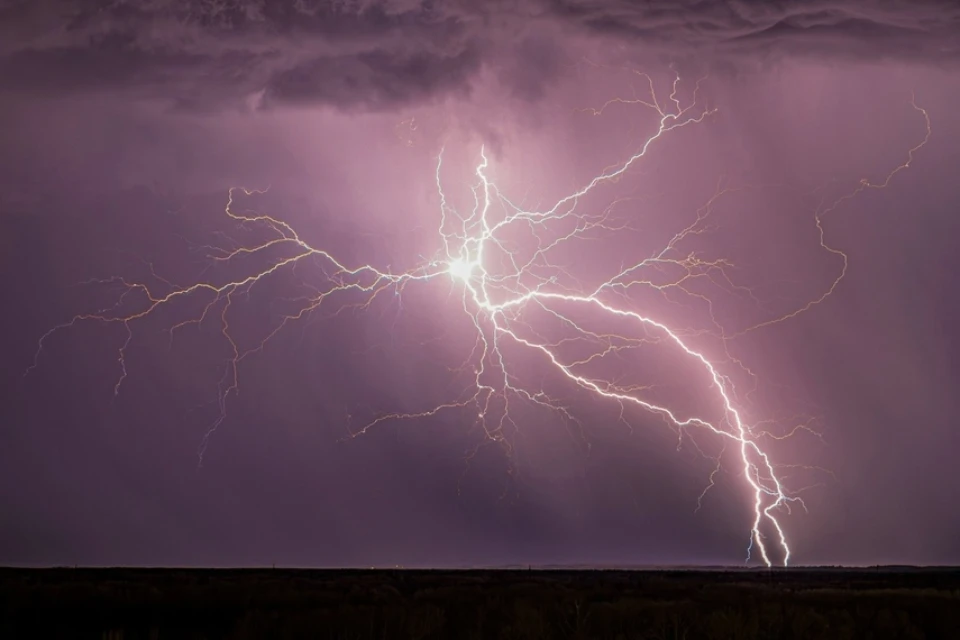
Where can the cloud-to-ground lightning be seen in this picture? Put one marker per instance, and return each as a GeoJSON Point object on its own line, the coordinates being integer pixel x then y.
{"type": "Point", "coordinates": [516, 298]}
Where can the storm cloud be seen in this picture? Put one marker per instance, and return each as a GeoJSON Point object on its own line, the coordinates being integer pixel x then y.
{"type": "Point", "coordinates": [385, 54]}
{"type": "Point", "coordinates": [923, 31]}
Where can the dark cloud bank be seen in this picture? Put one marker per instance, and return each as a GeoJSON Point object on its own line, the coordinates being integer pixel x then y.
{"type": "Point", "coordinates": [380, 54]}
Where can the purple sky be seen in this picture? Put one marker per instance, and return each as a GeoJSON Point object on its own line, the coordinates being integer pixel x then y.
{"type": "Point", "coordinates": [127, 124]}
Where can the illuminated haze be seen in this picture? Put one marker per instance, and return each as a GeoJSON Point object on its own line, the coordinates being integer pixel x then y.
{"type": "Point", "coordinates": [128, 124]}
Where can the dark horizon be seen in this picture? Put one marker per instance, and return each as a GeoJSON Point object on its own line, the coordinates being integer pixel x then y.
{"type": "Point", "coordinates": [543, 568]}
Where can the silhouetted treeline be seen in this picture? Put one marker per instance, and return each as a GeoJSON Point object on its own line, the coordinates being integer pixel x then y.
{"type": "Point", "coordinates": [797, 604]}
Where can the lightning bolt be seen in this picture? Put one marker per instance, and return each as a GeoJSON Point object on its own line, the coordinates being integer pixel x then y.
{"type": "Point", "coordinates": [516, 297]}
{"type": "Point", "coordinates": [825, 208]}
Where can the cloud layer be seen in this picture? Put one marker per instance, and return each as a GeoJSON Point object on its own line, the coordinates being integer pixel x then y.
{"type": "Point", "coordinates": [386, 54]}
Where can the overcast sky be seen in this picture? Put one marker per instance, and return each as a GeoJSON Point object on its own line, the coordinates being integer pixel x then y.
{"type": "Point", "coordinates": [126, 123]}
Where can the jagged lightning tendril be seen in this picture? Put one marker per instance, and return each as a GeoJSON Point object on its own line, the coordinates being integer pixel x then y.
{"type": "Point", "coordinates": [499, 284]}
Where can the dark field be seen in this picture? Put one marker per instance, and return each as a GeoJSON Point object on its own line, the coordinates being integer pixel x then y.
{"type": "Point", "coordinates": [282, 603]}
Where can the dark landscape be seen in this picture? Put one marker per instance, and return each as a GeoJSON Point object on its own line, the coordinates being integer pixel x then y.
{"type": "Point", "coordinates": [884, 602]}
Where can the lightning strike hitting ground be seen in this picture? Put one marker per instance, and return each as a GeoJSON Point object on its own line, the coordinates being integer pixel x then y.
{"type": "Point", "coordinates": [509, 293]}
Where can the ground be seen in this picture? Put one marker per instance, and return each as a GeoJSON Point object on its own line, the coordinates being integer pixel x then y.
{"type": "Point", "coordinates": [559, 603]}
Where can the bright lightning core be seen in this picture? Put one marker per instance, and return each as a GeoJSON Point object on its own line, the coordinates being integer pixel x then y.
{"type": "Point", "coordinates": [460, 269]}
{"type": "Point", "coordinates": [516, 299]}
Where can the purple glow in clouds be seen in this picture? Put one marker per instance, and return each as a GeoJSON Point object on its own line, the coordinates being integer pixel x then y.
{"type": "Point", "coordinates": [471, 226]}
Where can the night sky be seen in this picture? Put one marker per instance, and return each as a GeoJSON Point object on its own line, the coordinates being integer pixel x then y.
{"type": "Point", "coordinates": [127, 123]}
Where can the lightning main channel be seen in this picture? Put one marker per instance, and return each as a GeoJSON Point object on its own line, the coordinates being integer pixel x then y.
{"type": "Point", "coordinates": [515, 297]}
